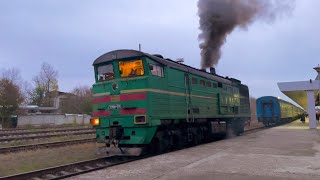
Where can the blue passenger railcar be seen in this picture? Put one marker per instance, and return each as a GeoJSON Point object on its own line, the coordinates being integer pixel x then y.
{"type": "Point", "coordinates": [271, 110]}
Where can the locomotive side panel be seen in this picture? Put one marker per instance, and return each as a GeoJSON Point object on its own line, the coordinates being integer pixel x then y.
{"type": "Point", "coordinates": [184, 95]}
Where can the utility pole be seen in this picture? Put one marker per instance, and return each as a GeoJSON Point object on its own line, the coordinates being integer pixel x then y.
{"type": "Point", "coordinates": [318, 79]}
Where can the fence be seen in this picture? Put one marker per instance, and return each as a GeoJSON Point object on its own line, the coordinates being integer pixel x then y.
{"type": "Point", "coordinates": [53, 119]}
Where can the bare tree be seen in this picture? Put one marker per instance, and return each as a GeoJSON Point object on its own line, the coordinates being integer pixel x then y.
{"type": "Point", "coordinates": [85, 98]}
{"type": "Point", "coordinates": [80, 102]}
{"type": "Point", "coordinates": [46, 81]}
{"type": "Point", "coordinates": [12, 75]}
{"type": "Point", "coordinates": [253, 110]}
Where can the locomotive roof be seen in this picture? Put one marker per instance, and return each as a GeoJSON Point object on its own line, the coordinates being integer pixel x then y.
{"type": "Point", "coordinates": [122, 54]}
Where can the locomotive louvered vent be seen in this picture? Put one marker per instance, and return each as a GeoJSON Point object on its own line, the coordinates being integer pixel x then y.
{"type": "Point", "coordinates": [158, 55]}
{"type": "Point", "coordinates": [212, 70]}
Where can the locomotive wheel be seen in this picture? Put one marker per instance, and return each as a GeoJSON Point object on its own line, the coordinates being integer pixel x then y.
{"type": "Point", "coordinates": [230, 132]}
{"type": "Point", "coordinates": [154, 146]}
{"type": "Point", "coordinates": [237, 127]}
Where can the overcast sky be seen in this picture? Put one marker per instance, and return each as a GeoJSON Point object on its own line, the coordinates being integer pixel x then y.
{"type": "Point", "coordinates": [70, 34]}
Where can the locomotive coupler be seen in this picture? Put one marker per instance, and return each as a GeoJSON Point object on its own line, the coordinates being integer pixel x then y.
{"type": "Point", "coordinates": [116, 144]}
{"type": "Point", "coordinates": [116, 134]}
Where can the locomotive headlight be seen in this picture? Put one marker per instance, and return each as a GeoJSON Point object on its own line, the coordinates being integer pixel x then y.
{"type": "Point", "coordinates": [95, 121]}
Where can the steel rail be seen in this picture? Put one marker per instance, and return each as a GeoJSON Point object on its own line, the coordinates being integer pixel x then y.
{"type": "Point", "coordinates": [44, 131]}
{"type": "Point", "coordinates": [9, 139]}
{"type": "Point", "coordinates": [39, 128]}
{"type": "Point", "coordinates": [11, 149]}
{"type": "Point", "coordinates": [74, 169]}
{"type": "Point", "coordinates": [255, 129]}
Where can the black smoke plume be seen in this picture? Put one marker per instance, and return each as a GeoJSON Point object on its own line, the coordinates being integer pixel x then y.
{"type": "Point", "coordinates": [218, 18]}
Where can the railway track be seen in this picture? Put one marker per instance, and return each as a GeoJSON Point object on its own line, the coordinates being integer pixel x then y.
{"type": "Point", "coordinates": [12, 149]}
{"type": "Point", "coordinates": [74, 169]}
{"type": "Point", "coordinates": [20, 138]}
{"type": "Point", "coordinates": [2, 131]}
{"type": "Point", "coordinates": [252, 130]}
{"type": "Point", "coordinates": [71, 142]}
{"type": "Point", "coordinates": [16, 133]}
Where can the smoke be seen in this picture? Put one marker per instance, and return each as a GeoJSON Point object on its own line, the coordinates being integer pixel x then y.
{"type": "Point", "coordinates": [218, 18]}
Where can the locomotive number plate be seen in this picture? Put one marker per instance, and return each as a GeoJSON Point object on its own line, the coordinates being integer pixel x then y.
{"type": "Point", "coordinates": [115, 98]}
{"type": "Point", "coordinates": [114, 107]}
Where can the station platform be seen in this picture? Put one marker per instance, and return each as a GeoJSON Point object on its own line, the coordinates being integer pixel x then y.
{"type": "Point", "coordinates": [290, 151]}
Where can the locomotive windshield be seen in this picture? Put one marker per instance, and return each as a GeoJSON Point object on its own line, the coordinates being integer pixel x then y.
{"type": "Point", "coordinates": [131, 68]}
{"type": "Point", "coordinates": [105, 72]}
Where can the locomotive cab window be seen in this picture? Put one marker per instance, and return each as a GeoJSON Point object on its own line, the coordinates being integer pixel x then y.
{"type": "Point", "coordinates": [105, 72]}
{"type": "Point", "coordinates": [131, 68]}
{"type": "Point", "coordinates": [156, 70]}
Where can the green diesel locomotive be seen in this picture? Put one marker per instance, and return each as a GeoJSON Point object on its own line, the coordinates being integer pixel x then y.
{"type": "Point", "coordinates": [144, 103]}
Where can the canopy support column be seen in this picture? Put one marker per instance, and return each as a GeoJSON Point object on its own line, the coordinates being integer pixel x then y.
{"type": "Point", "coordinates": [311, 110]}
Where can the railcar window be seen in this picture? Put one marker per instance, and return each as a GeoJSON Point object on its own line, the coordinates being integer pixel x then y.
{"type": "Point", "coordinates": [235, 90]}
{"type": "Point", "coordinates": [194, 81]}
{"type": "Point", "coordinates": [220, 85]}
{"type": "Point", "coordinates": [105, 72]}
{"type": "Point", "coordinates": [202, 83]}
{"type": "Point", "coordinates": [209, 84]}
{"type": "Point", "coordinates": [229, 89]}
{"type": "Point", "coordinates": [156, 70]}
{"type": "Point", "coordinates": [225, 88]}
{"type": "Point", "coordinates": [214, 85]}
{"type": "Point", "coordinates": [131, 68]}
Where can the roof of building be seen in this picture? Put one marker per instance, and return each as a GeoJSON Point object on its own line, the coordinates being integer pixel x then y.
{"type": "Point", "coordinates": [60, 93]}
{"type": "Point", "coordinates": [297, 91]}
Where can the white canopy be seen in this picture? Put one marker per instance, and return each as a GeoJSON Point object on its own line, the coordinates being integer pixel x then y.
{"type": "Point", "coordinates": [297, 91]}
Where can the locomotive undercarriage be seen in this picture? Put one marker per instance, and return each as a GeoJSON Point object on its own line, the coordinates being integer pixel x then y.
{"type": "Point", "coordinates": [172, 136]}
{"type": "Point", "coordinates": [175, 136]}
{"type": "Point", "coordinates": [278, 121]}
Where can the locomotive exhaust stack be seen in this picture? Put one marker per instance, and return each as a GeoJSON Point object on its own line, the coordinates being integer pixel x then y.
{"type": "Point", "coordinates": [213, 70]}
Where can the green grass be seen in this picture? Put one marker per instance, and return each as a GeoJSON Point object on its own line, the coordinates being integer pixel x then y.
{"type": "Point", "coordinates": [20, 162]}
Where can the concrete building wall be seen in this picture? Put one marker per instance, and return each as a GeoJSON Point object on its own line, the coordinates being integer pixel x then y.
{"type": "Point", "coordinates": [54, 119]}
